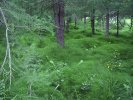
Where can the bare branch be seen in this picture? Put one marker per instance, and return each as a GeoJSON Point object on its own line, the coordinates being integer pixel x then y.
{"type": "Point", "coordinates": [8, 51]}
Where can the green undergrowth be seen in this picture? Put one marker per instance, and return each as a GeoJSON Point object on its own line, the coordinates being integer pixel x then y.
{"type": "Point", "coordinates": [89, 67]}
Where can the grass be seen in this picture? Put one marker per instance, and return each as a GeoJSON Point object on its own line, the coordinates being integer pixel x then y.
{"type": "Point", "coordinates": [87, 68]}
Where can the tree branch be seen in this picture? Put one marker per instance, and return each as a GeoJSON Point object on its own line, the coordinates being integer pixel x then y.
{"type": "Point", "coordinates": [8, 51]}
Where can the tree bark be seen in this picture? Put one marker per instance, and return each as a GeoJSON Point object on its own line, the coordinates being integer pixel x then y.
{"type": "Point", "coordinates": [59, 20]}
{"type": "Point", "coordinates": [107, 24]}
{"type": "Point", "coordinates": [93, 21]}
{"type": "Point", "coordinates": [117, 34]}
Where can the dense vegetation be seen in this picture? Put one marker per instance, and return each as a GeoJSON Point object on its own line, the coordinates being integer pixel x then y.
{"type": "Point", "coordinates": [66, 50]}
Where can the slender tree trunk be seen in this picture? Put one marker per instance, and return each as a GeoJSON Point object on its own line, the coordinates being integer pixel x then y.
{"type": "Point", "coordinates": [99, 22]}
{"type": "Point", "coordinates": [93, 21]}
{"type": "Point", "coordinates": [75, 21]}
{"type": "Point", "coordinates": [131, 22]}
{"type": "Point", "coordinates": [67, 24]}
{"type": "Point", "coordinates": [117, 34]}
{"type": "Point", "coordinates": [59, 20]}
{"type": "Point", "coordinates": [103, 23]}
{"type": "Point", "coordinates": [107, 25]}
{"type": "Point", "coordinates": [84, 22]}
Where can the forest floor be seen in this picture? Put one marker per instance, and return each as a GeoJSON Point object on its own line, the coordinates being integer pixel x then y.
{"type": "Point", "coordinates": [89, 67]}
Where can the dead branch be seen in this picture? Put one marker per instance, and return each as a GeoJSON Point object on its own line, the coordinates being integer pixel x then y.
{"type": "Point", "coordinates": [8, 51]}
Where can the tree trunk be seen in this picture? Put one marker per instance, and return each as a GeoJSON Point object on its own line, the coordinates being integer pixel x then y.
{"type": "Point", "coordinates": [117, 34]}
{"type": "Point", "coordinates": [103, 23]}
{"type": "Point", "coordinates": [75, 21]}
{"type": "Point", "coordinates": [59, 20]}
{"type": "Point", "coordinates": [131, 22]}
{"type": "Point", "coordinates": [107, 25]}
{"type": "Point", "coordinates": [93, 21]}
{"type": "Point", "coordinates": [67, 24]}
{"type": "Point", "coordinates": [99, 22]}
{"type": "Point", "coordinates": [84, 22]}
